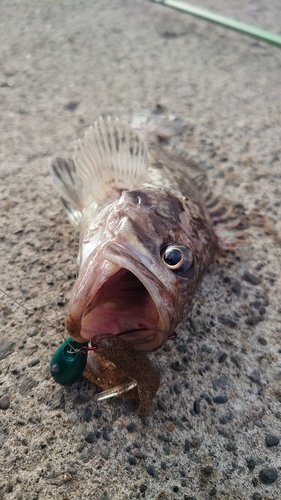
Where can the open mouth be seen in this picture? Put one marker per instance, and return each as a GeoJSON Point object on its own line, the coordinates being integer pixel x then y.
{"type": "Point", "coordinates": [122, 306]}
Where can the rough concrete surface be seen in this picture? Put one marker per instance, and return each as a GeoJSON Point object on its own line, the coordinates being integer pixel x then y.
{"type": "Point", "coordinates": [216, 422]}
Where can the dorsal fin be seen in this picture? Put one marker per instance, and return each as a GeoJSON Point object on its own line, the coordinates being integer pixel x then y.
{"type": "Point", "coordinates": [112, 156]}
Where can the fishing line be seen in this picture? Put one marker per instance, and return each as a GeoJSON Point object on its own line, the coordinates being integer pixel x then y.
{"type": "Point", "coordinates": [40, 316]}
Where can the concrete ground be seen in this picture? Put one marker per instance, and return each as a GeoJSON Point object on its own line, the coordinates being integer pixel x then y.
{"type": "Point", "coordinates": [216, 422]}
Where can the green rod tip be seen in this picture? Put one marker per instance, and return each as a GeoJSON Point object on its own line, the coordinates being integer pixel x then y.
{"type": "Point", "coordinates": [227, 22]}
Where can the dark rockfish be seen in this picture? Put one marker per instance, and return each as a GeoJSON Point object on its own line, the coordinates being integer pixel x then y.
{"type": "Point", "coordinates": [149, 228]}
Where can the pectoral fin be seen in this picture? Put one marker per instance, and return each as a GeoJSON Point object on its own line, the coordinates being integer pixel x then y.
{"type": "Point", "coordinates": [74, 196]}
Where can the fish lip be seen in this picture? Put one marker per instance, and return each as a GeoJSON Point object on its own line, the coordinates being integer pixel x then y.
{"type": "Point", "coordinates": [120, 258]}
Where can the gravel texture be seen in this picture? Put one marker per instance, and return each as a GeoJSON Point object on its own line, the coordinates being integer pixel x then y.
{"type": "Point", "coordinates": [216, 423]}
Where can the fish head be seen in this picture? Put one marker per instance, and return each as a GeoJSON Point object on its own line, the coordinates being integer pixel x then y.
{"type": "Point", "coordinates": [142, 257]}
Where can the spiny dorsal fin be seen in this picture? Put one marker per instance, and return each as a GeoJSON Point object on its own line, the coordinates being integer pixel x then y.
{"type": "Point", "coordinates": [111, 157]}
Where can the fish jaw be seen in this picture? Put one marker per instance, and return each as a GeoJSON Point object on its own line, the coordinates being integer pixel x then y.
{"type": "Point", "coordinates": [117, 294]}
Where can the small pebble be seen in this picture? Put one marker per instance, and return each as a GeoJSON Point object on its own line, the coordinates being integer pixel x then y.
{"type": "Point", "coordinates": [251, 463]}
{"type": "Point", "coordinates": [177, 389]}
{"type": "Point", "coordinates": [178, 423]}
{"type": "Point", "coordinates": [268, 476]}
{"type": "Point", "coordinates": [4, 402]}
{"type": "Point", "coordinates": [132, 427]}
{"type": "Point", "coordinates": [34, 362]}
{"type": "Point", "coordinates": [258, 423]}
{"type": "Point", "coordinates": [195, 443]}
{"type": "Point", "coordinates": [220, 383]}
{"type": "Point", "coordinates": [262, 341]}
{"type": "Point", "coordinates": [222, 357]}
{"type": "Point", "coordinates": [66, 478]}
{"type": "Point", "coordinates": [132, 460]}
{"type": "Point", "coordinates": [105, 452]}
{"type": "Point", "coordinates": [186, 446]}
{"type": "Point", "coordinates": [72, 105]}
{"type": "Point", "coordinates": [166, 439]}
{"type": "Point", "coordinates": [225, 433]}
{"type": "Point", "coordinates": [90, 438]}
{"type": "Point", "coordinates": [104, 496]}
{"type": "Point", "coordinates": [209, 400]}
{"type": "Point", "coordinates": [272, 440]}
{"type": "Point", "coordinates": [213, 492]}
{"type": "Point", "coordinates": [196, 406]}
{"type": "Point", "coordinates": [227, 417]}
{"type": "Point", "coordinates": [257, 496]}
{"type": "Point", "coordinates": [142, 488]}
{"type": "Point", "coordinates": [137, 444]}
{"type": "Point", "coordinates": [251, 278]}
{"type": "Point", "coordinates": [145, 421]}
{"type": "Point", "coordinates": [88, 414]}
{"type": "Point", "coordinates": [208, 470]}
{"type": "Point", "coordinates": [9, 487]}
{"type": "Point", "coordinates": [175, 489]}
{"type": "Point", "coordinates": [167, 449]}
{"type": "Point", "coordinates": [220, 400]}
{"type": "Point", "coordinates": [97, 413]}
{"type": "Point", "coordinates": [227, 321]}
{"type": "Point", "coordinates": [81, 399]}
{"type": "Point", "coordinates": [253, 320]}
{"type": "Point", "coordinates": [151, 470]}
{"type": "Point", "coordinates": [230, 446]}
{"type": "Point", "coordinates": [255, 376]}
{"type": "Point", "coordinates": [236, 288]}
{"type": "Point", "coordinates": [256, 304]}
{"type": "Point", "coordinates": [161, 404]}
{"type": "Point", "coordinates": [176, 366]}
{"type": "Point", "coordinates": [106, 436]}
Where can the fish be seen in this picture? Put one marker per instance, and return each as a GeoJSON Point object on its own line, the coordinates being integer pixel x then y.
{"type": "Point", "coordinates": [149, 228]}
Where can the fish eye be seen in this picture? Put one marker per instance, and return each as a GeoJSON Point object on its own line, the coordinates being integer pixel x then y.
{"type": "Point", "coordinates": [179, 259]}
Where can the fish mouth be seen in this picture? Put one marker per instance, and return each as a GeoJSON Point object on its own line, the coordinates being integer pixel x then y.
{"type": "Point", "coordinates": [123, 306]}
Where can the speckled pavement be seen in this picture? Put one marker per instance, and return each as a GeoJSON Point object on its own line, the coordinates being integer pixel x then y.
{"type": "Point", "coordinates": [216, 423]}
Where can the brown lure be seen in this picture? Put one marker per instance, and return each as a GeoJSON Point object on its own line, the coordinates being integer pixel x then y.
{"type": "Point", "coordinates": [116, 362]}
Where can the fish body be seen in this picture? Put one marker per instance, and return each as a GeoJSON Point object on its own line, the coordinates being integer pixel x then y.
{"type": "Point", "coordinates": [146, 234]}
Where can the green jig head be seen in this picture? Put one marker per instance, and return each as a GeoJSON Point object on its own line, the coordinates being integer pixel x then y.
{"type": "Point", "coordinates": [67, 365]}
